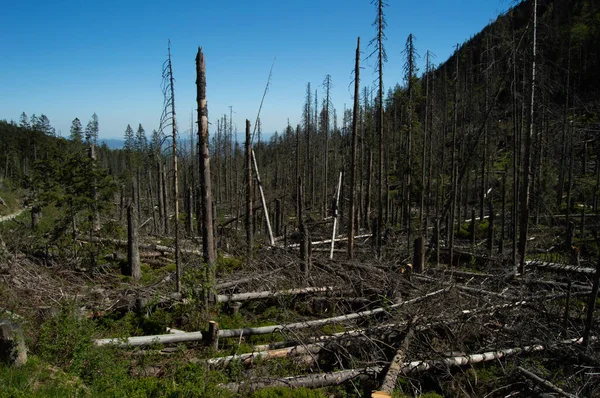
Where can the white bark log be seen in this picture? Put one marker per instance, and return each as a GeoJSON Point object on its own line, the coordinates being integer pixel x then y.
{"type": "Point", "coordinates": [323, 242]}
{"type": "Point", "coordinates": [145, 340]}
{"type": "Point", "coordinates": [561, 267]}
{"type": "Point", "coordinates": [310, 349]}
{"type": "Point", "coordinates": [223, 298]}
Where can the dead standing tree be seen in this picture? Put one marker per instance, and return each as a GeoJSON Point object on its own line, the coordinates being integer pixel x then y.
{"type": "Point", "coordinates": [208, 246]}
{"type": "Point", "coordinates": [525, 189]}
{"type": "Point", "coordinates": [248, 191]}
{"type": "Point", "coordinates": [167, 119]}
{"type": "Point", "coordinates": [354, 148]}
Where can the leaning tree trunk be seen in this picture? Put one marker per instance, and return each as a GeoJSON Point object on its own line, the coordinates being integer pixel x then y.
{"type": "Point", "coordinates": [205, 186]}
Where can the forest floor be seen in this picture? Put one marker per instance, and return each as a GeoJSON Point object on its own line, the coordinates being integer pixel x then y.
{"type": "Point", "coordinates": [473, 329]}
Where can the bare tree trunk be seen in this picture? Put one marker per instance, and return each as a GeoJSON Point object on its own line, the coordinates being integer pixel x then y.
{"type": "Point", "coordinates": [380, 60]}
{"type": "Point", "coordinates": [159, 191]}
{"type": "Point", "coordinates": [367, 216]}
{"type": "Point", "coordinates": [175, 173]}
{"type": "Point", "coordinates": [304, 238]}
{"type": "Point", "coordinates": [189, 212]}
{"type": "Point", "coordinates": [133, 254]}
{"type": "Point", "coordinates": [454, 188]}
{"type": "Point", "coordinates": [525, 195]}
{"type": "Point", "coordinates": [208, 247]}
{"type": "Point", "coordinates": [354, 149]}
{"type": "Point", "coordinates": [165, 198]}
{"type": "Point", "coordinates": [248, 219]}
{"type": "Point", "coordinates": [335, 216]}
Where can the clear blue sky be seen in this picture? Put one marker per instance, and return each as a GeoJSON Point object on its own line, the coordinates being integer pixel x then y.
{"type": "Point", "coordinates": [68, 59]}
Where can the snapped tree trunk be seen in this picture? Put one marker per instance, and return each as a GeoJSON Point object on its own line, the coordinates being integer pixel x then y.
{"type": "Point", "coordinates": [208, 247]}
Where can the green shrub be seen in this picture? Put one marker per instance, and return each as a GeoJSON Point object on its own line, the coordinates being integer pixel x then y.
{"type": "Point", "coordinates": [64, 339]}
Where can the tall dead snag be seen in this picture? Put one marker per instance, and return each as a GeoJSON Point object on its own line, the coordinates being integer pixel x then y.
{"type": "Point", "coordinates": [380, 60]}
{"type": "Point", "coordinates": [354, 149]}
{"type": "Point", "coordinates": [304, 238]}
{"type": "Point", "coordinates": [168, 74]}
{"type": "Point", "coordinates": [335, 216]}
{"type": "Point", "coordinates": [326, 107]}
{"type": "Point", "coordinates": [410, 68]}
{"type": "Point", "coordinates": [133, 253]}
{"type": "Point", "coordinates": [524, 216]}
{"type": "Point", "coordinates": [248, 191]}
{"type": "Point", "coordinates": [208, 246]}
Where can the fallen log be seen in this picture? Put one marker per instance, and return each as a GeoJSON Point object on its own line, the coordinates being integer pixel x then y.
{"type": "Point", "coordinates": [223, 298]}
{"type": "Point", "coordinates": [334, 378]}
{"type": "Point", "coordinates": [318, 380]}
{"type": "Point", "coordinates": [225, 285]}
{"type": "Point", "coordinates": [462, 287]}
{"type": "Point", "coordinates": [145, 340]}
{"type": "Point", "coordinates": [544, 383]}
{"type": "Point", "coordinates": [579, 286]}
{"type": "Point", "coordinates": [228, 333]}
{"type": "Point", "coordinates": [561, 267]}
{"type": "Point", "coordinates": [153, 247]}
{"type": "Point", "coordinates": [465, 274]}
{"type": "Point", "coordinates": [391, 375]}
{"type": "Point", "coordinates": [248, 358]}
{"type": "Point", "coordinates": [326, 241]}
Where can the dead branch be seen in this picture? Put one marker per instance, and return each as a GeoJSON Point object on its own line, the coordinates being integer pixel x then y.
{"type": "Point", "coordinates": [544, 383]}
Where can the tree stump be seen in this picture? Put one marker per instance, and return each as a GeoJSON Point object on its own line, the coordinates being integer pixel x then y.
{"type": "Point", "coordinates": [234, 307]}
{"type": "Point", "coordinates": [419, 255]}
{"type": "Point", "coordinates": [12, 345]}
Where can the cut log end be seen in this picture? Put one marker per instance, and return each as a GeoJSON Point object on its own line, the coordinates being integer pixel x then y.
{"type": "Point", "coordinates": [380, 394]}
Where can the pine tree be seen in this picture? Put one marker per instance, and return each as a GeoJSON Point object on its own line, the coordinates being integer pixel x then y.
{"type": "Point", "coordinates": [129, 137]}
{"type": "Point", "coordinates": [76, 133]}
{"type": "Point", "coordinates": [24, 121]}
{"type": "Point", "coordinates": [141, 143]}
{"type": "Point", "coordinates": [43, 125]}
{"type": "Point", "coordinates": [91, 130]}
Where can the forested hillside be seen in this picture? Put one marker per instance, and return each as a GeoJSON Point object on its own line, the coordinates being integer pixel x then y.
{"type": "Point", "coordinates": [437, 238]}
